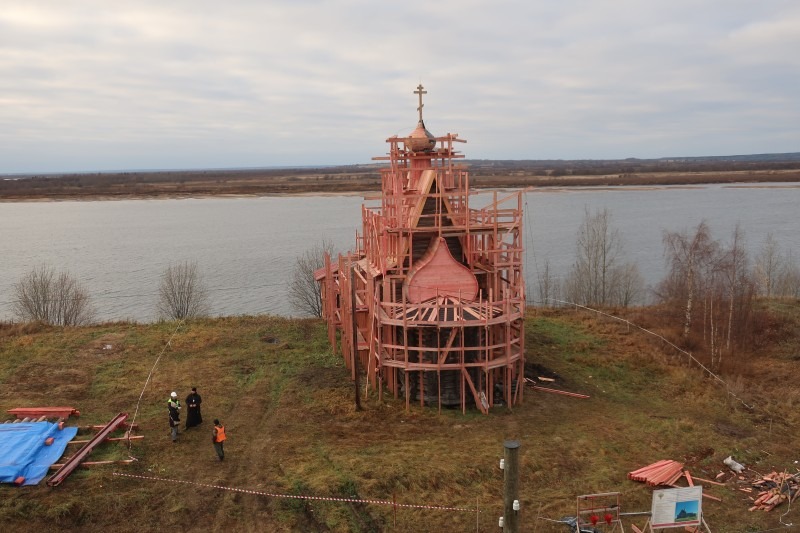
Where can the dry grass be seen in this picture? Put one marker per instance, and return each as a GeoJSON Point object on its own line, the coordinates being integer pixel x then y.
{"type": "Point", "coordinates": [293, 429]}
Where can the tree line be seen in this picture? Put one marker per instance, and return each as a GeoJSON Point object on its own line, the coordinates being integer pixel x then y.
{"type": "Point", "coordinates": [595, 167]}
{"type": "Point", "coordinates": [58, 298]}
{"type": "Point", "coordinates": [709, 290]}
{"type": "Point", "coordinates": [708, 293]}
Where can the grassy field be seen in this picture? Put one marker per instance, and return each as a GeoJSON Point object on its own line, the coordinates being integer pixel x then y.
{"type": "Point", "coordinates": [287, 404]}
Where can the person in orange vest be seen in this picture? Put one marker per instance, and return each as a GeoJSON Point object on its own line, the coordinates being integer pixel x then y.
{"type": "Point", "coordinates": [219, 439]}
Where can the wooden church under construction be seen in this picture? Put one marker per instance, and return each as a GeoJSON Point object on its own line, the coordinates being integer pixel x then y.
{"type": "Point", "coordinates": [431, 303]}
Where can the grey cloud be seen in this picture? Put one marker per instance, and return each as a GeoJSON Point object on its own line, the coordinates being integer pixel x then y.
{"type": "Point", "coordinates": [191, 84]}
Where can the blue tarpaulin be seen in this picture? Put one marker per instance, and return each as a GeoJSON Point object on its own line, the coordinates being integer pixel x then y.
{"type": "Point", "coordinates": [23, 451]}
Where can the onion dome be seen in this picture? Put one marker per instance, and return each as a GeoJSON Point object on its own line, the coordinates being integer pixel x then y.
{"type": "Point", "coordinates": [421, 140]}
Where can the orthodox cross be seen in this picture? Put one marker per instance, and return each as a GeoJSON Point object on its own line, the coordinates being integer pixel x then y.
{"type": "Point", "coordinates": [420, 92]}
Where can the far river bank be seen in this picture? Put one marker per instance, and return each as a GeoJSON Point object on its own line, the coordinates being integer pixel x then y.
{"type": "Point", "coordinates": [360, 181]}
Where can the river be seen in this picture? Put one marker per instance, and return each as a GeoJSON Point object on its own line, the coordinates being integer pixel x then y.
{"type": "Point", "coordinates": [245, 248]}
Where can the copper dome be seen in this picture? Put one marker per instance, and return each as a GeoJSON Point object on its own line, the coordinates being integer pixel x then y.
{"type": "Point", "coordinates": [421, 140]}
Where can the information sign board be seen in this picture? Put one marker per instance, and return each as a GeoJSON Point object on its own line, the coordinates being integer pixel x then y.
{"type": "Point", "coordinates": [676, 507]}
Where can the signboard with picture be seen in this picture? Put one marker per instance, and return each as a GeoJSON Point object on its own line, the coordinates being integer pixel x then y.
{"type": "Point", "coordinates": [676, 508]}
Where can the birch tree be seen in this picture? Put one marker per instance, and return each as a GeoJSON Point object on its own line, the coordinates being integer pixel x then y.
{"type": "Point", "coordinates": [716, 278]}
{"type": "Point", "coordinates": [736, 278]}
{"type": "Point", "coordinates": [688, 256]}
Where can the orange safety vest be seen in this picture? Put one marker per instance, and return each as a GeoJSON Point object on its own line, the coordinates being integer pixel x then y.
{"type": "Point", "coordinates": [220, 433]}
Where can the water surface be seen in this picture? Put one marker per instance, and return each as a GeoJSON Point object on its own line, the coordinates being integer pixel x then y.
{"type": "Point", "coordinates": [246, 247]}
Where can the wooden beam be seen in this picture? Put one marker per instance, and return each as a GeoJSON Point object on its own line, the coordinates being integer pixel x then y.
{"type": "Point", "coordinates": [87, 464]}
{"type": "Point", "coordinates": [709, 481]}
{"type": "Point", "coordinates": [556, 391]}
{"type": "Point", "coordinates": [475, 395]}
{"type": "Point", "coordinates": [113, 439]}
{"type": "Point", "coordinates": [73, 462]}
{"type": "Point", "coordinates": [50, 412]}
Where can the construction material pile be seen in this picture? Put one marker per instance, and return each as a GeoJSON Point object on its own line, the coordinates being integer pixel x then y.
{"type": "Point", "coordinates": [665, 472]}
{"type": "Point", "coordinates": [775, 488]}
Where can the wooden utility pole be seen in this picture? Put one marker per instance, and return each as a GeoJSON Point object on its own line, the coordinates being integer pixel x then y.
{"type": "Point", "coordinates": [355, 335]}
{"type": "Point", "coordinates": [511, 487]}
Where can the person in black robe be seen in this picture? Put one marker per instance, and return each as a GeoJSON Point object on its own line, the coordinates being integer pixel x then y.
{"type": "Point", "coordinates": [193, 416]}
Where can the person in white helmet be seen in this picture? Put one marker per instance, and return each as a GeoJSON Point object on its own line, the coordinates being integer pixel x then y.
{"type": "Point", "coordinates": [174, 406]}
{"type": "Point", "coordinates": [173, 400]}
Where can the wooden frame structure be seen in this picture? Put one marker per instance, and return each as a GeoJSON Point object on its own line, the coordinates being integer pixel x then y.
{"type": "Point", "coordinates": [602, 508]}
{"type": "Point", "coordinates": [431, 302]}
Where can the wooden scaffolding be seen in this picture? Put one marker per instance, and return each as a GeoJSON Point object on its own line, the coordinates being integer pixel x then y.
{"type": "Point", "coordinates": [433, 296]}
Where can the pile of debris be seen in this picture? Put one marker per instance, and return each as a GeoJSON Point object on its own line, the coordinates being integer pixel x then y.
{"type": "Point", "coordinates": [765, 492]}
{"type": "Point", "coordinates": [774, 489]}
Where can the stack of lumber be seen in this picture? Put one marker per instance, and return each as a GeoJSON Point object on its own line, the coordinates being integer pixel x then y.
{"type": "Point", "coordinates": [664, 472]}
{"type": "Point", "coordinates": [47, 412]}
{"type": "Point", "coordinates": [775, 488]}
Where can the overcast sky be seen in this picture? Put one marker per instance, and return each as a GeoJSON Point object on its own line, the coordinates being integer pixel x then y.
{"type": "Point", "coordinates": [107, 85]}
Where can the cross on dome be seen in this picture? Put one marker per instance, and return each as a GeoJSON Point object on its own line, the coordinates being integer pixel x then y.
{"type": "Point", "coordinates": [420, 92]}
{"type": "Point", "coordinates": [421, 140]}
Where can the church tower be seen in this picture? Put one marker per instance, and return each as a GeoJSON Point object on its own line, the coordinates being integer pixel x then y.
{"type": "Point", "coordinates": [432, 298]}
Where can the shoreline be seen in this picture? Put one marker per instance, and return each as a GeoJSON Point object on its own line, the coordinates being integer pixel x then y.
{"type": "Point", "coordinates": [107, 189]}
{"type": "Point", "coordinates": [372, 195]}
{"type": "Point", "coordinates": [168, 196]}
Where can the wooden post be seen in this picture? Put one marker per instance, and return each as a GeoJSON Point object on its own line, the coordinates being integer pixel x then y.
{"type": "Point", "coordinates": [355, 335]}
{"type": "Point", "coordinates": [510, 486]}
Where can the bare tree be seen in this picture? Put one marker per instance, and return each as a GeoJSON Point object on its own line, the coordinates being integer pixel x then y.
{"type": "Point", "coordinates": [53, 298]}
{"type": "Point", "coordinates": [182, 293]}
{"type": "Point", "coordinates": [718, 281]}
{"type": "Point", "coordinates": [628, 285]}
{"type": "Point", "coordinates": [549, 286]}
{"type": "Point", "coordinates": [688, 256]}
{"type": "Point", "coordinates": [737, 276]}
{"type": "Point", "coordinates": [788, 282]}
{"type": "Point", "coordinates": [304, 292]}
{"type": "Point", "coordinates": [598, 276]}
{"type": "Point", "coordinates": [768, 265]}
